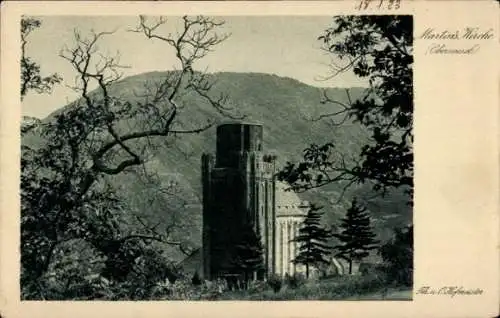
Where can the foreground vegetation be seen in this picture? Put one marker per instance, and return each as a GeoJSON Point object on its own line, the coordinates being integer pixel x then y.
{"type": "Point", "coordinates": [81, 239]}
{"type": "Point", "coordinates": [338, 288]}
{"type": "Point", "coordinates": [377, 284]}
{"type": "Point", "coordinates": [154, 278]}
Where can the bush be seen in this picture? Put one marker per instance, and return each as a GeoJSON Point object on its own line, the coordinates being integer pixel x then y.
{"type": "Point", "coordinates": [196, 280]}
{"type": "Point", "coordinates": [77, 272]}
{"type": "Point", "coordinates": [275, 283]}
{"type": "Point", "coordinates": [72, 274]}
{"type": "Point", "coordinates": [352, 285]}
{"type": "Point", "coordinates": [183, 289]}
{"type": "Point", "coordinates": [398, 257]}
{"type": "Point", "coordinates": [338, 288]}
{"type": "Point", "coordinates": [294, 281]}
{"type": "Point", "coordinates": [257, 286]}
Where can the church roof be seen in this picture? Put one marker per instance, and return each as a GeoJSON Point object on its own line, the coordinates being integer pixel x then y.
{"type": "Point", "coordinates": [239, 122]}
{"type": "Point", "coordinates": [288, 203]}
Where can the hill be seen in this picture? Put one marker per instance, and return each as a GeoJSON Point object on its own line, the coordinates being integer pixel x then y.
{"type": "Point", "coordinates": [284, 106]}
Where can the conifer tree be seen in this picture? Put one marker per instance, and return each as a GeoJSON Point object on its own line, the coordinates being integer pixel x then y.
{"type": "Point", "coordinates": [248, 256]}
{"type": "Point", "coordinates": [357, 237]}
{"type": "Point", "coordinates": [313, 239]}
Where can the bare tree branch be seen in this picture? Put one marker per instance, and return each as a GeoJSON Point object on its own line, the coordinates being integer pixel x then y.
{"type": "Point", "coordinates": [31, 78]}
{"type": "Point", "coordinates": [90, 140]}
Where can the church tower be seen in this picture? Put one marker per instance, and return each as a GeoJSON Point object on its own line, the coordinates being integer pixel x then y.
{"type": "Point", "coordinates": [238, 191]}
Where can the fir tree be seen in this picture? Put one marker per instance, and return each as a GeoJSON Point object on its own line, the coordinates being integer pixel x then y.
{"type": "Point", "coordinates": [357, 237]}
{"type": "Point", "coordinates": [312, 238]}
{"type": "Point", "coordinates": [248, 256]}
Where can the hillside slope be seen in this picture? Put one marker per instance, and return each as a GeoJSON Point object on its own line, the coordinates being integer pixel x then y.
{"type": "Point", "coordinates": [285, 107]}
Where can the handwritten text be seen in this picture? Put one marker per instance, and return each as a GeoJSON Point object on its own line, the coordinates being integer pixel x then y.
{"type": "Point", "coordinates": [450, 41]}
{"type": "Point", "coordinates": [450, 291]}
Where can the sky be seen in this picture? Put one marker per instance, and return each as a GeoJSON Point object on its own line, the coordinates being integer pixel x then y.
{"type": "Point", "coordinates": [282, 45]}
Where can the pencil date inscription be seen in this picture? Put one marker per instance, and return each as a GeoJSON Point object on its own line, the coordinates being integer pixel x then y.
{"type": "Point", "coordinates": [378, 4]}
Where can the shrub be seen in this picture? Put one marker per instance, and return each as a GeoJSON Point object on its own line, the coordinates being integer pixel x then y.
{"type": "Point", "coordinates": [371, 282]}
{"type": "Point", "coordinates": [294, 281]}
{"type": "Point", "coordinates": [398, 257]}
{"type": "Point", "coordinates": [196, 280]}
{"type": "Point", "coordinates": [275, 283]}
{"type": "Point", "coordinates": [366, 268]}
{"type": "Point", "coordinates": [257, 286]}
{"type": "Point", "coordinates": [150, 271]}
{"type": "Point", "coordinates": [350, 285]}
{"type": "Point", "coordinates": [183, 289]}
{"type": "Point", "coordinates": [72, 274]}
{"type": "Point", "coordinates": [77, 272]}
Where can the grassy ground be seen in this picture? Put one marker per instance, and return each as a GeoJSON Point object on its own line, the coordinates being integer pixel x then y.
{"type": "Point", "coordinates": [391, 294]}
{"type": "Point", "coordinates": [342, 288]}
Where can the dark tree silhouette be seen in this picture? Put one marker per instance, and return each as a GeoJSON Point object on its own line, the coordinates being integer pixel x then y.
{"type": "Point", "coordinates": [31, 79]}
{"type": "Point", "coordinates": [64, 182]}
{"type": "Point", "coordinates": [356, 237]}
{"type": "Point", "coordinates": [312, 239]}
{"type": "Point", "coordinates": [398, 256]}
{"type": "Point", "coordinates": [248, 254]}
{"type": "Point", "coordinates": [379, 49]}
{"type": "Point", "coordinates": [196, 279]}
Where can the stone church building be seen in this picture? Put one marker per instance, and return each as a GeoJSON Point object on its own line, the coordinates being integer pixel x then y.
{"type": "Point", "coordinates": [239, 190]}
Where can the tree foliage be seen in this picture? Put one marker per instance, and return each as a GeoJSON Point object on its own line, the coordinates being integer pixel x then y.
{"type": "Point", "coordinates": [398, 256]}
{"type": "Point", "coordinates": [248, 253]}
{"type": "Point", "coordinates": [65, 191]}
{"type": "Point", "coordinates": [31, 78]}
{"type": "Point", "coordinates": [312, 239]}
{"type": "Point", "coordinates": [356, 237]}
{"type": "Point", "coordinates": [378, 49]}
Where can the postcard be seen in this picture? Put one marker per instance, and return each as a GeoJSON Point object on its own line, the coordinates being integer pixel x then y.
{"type": "Point", "coordinates": [276, 159]}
